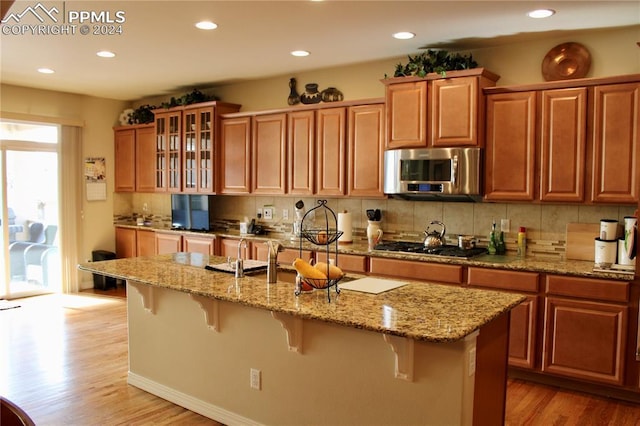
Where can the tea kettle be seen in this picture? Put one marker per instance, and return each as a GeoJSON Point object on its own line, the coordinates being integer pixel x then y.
{"type": "Point", "coordinates": [434, 238]}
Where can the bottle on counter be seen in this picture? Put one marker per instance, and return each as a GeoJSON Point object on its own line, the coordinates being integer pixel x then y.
{"type": "Point", "coordinates": [500, 246]}
{"type": "Point", "coordinates": [522, 241]}
{"type": "Point", "coordinates": [492, 248]}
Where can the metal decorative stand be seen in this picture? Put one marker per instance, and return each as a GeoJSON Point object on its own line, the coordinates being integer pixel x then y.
{"type": "Point", "coordinates": [321, 235]}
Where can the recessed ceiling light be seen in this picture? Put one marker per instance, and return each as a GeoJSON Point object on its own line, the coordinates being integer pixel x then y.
{"type": "Point", "coordinates": [105, 54]}
{"type": "Point", "coordinates": [404, 35]}
{"type": "Point", "coordinates": [206, 25]}
{"type": "Point", "coordinates": [300, 53]}
{"type": "Point", "coordinates": [541, 13]}
{"type": "Point", "coordinates": [45, 70]}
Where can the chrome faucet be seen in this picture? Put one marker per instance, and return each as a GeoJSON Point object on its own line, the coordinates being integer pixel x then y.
{"type": "Point", "coordinates": [272, 261]}
{"type": "Point", "coordinates": [239, 264]}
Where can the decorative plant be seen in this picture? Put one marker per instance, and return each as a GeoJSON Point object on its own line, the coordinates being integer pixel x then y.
{"type": "Point", "coordinates": [187, 99]}
{"type": "Point", "coordinates": [142, 115]}
{"type": "Point", "coordinates": [438, 61]}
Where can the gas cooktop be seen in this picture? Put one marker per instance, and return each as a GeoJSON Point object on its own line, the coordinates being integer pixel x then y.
{"type": "Point", "coordinates": [419, 248]}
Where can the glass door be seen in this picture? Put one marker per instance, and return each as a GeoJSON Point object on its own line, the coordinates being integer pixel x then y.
{"type": "Point", "coordinates": [30, 193]}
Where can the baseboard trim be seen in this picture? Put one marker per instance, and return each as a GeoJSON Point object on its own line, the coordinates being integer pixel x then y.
{"type": "Point", "coordinates": [189, 402]}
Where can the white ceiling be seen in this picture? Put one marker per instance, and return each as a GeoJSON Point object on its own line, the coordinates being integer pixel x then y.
{"type": "Point", "coordinates": [160, 51]}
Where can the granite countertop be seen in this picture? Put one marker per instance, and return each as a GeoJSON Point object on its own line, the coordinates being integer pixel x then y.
{"type": "Point", "coordinates": [542, 264]}
{"type": "Point", "coordinates": [421, 311]}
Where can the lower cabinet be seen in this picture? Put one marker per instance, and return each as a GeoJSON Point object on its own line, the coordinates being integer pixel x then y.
{"type": "Point", "coordinates": [228, 247]}
{"type": "Point", "coordinates": [419, 271]}
{"type": "Point", "coordinates": [146, 242]}
{"type": "Point", "coordinates": [585, 331]}
{"type": "Point", "coordinates": [126, 245]}
{"type": "Point", "coordinates": [199, 244]}
{"type": "Point", "coordinates": [346, 262]}
{"type": "Point", "coordinates": [168, 242]}
{"type": "Point", "coordinates": [524, 317]}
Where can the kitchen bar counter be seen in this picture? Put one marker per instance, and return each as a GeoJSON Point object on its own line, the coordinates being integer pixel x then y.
{"type": "Point", "coordinates": [419, 354]}
{"type": "Point", "coordinates": [428, 312]}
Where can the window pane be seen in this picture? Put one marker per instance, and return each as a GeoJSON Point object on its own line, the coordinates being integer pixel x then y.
{"type": "Point", "coordinates": [29, 132]}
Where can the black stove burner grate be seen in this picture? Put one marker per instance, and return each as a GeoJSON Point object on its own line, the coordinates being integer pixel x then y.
{"type": "Point", "coordinates": [414, 247]}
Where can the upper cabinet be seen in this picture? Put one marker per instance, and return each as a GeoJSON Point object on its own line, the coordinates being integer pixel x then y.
{"type": "Point", "coordinates": [436, 111]}
{"type": "Point", "coordinates": [325, 150]}
{"type": "Point", "coordinates": [269, 150]}
{"type": "Point", "coordinates": [510, 153]}
{"type": "Point", "coordinates": [187, 145]}
{"type": "Point", "coordinates": [563, 130]}
{"type": "Point", "coordinates": [365, 152]}
{"type": "Point", "coordinates": [616, 135]}
{"type": "Point", "coordinates": [134, 146]}
{"type": "Point", "coordinates": [574, 142]}
{"type": "Point", "coordinates": [235, 155]}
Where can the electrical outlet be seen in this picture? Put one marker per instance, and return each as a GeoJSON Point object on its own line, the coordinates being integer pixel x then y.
{"type": "Point", "coordinates": [268, 213]}
{"type": "Point", "coordinates": [505, 225]}
{"type": "Point", "coordinates": [255, 379]}
{"type": "Point", "coordinates": [285, 214]}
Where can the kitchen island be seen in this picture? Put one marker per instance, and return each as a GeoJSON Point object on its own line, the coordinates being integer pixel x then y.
{"type": "Point", "coordinates": [242, 351]}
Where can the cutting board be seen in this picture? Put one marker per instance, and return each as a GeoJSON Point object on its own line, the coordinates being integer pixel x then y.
{"type": "Point", "coordinates": [580, 240]}
{"type": "Point", "coordinates": [372, 285]}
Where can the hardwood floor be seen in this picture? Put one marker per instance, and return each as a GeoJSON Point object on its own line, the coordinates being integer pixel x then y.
{"type": "Point", "coordinates": [64, 361]}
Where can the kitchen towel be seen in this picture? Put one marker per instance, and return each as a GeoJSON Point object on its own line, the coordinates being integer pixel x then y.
{"type": "Point", "coordinates": [345, 225]}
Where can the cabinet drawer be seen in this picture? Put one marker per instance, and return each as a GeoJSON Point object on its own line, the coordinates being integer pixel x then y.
{"type": "Point", "coordinates": [421, 271]}
{"type": "Point", "coordinates": [588, 288]}
{"type": "Point", "coordinates": [289, 255]}
{"type": "Point", "coordinates": [346, 262]}
{"type": "Point", "coordinates": [507, 280]}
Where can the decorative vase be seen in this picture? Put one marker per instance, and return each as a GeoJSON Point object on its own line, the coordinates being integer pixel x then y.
{"type": "Point", "coordinates": [331, 94]}
{"type": "Point", "coordinates": [374, 233]}
{"type": "Point", "coordinates": [311, 94]}
{"type": "Point", "coordinates": [293, 98]}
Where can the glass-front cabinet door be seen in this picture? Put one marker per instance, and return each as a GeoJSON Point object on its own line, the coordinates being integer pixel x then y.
{"type": "Point", "coordinates": [168, 150]}
{"type": "Point", "coordinates": [198, 150]}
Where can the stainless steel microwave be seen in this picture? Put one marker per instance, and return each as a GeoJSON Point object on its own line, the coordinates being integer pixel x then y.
{"type": "Point", "coordinates": [433, 174]}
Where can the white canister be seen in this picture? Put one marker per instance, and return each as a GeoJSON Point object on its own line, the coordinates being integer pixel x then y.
{"type": "Point", "coordinates": [623, 257]}
{"type": "Point", "coordinates": [608, 229]}
{"type": "Point", "coordinates": [605, 252]}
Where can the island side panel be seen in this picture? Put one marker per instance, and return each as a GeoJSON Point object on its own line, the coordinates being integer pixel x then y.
{"type": "Point", "coordinates": [343, 376]}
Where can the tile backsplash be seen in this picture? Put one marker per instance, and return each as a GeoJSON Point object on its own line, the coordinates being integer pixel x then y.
{"type": "Point", "coordinates": [545, 223]}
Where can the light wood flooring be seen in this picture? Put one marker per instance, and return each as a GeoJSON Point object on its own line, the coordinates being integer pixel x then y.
{"type": "Point", "coordinates": [63, 359]}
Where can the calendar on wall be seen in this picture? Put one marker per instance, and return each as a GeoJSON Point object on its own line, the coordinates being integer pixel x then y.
{"type": "Point", "coordinates": [95, 179]}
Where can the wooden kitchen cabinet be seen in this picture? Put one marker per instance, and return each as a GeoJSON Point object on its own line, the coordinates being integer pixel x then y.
{"type": "Point", "coordinates": [145, 242]}
{"type": "Point", "coordinates": [228, 247]}
{"type": "Point", "coordinates": [134, 153]}
{"type": "Point", "coordinates": [235, 155]}
{"type": "Point", "coordinates": [331, 151]}
{"type": "Point", "coordinates": [563, 136]}
{"type": "Point", "coordinates": [616, 135]}
{"type": "Point", "coordinates": [454, 111]}
{"type": "Point", "coordinates": [366, 151]}
{"type": "Point", "coordinates": [524, 317]}
{"type": "Point", "coordinates": [145, 154]}
{"type": "Point", "coordinates": [585, 331]}
{"type": "Point", "coordinates": [125, 242]}
{"type": "Point", "coordinates": [269, 154]}
{"type": "Point", "coordinates": [510, 147]}
{"type": "Point", "coordinates": [420, 271]}
{"type": "Point", "coordinates": [124, 142]}
{"type": "Point", "coordinates": [301, 152]}
{"type": "Point", "coordinates": [437, 112]}
{"type": "Point", "coordinates": [198, 149]}
{"type": "Point", "coordinates": [406, 114]}
{"type": "Point", "coordinates": [347, 262]}
{"type": "Point", "coordinates": [168, 149]}
{"type": "Point", "coordinates": [204, 244]}
{"type": "Point", "coordinates": [168, 242]}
